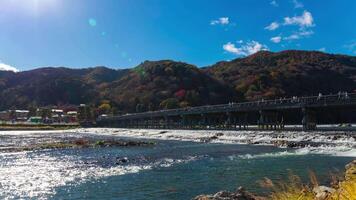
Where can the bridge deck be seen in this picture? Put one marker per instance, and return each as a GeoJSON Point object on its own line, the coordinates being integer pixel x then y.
{"type": "Point", "coordinates": [338, 100]}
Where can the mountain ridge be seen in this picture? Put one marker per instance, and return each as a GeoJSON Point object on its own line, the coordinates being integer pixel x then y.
{"type": "Point", "coordinates": [154, 85]}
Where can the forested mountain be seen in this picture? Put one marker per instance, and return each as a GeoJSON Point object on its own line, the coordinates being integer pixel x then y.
{"type": "Point", "coordinates": [287, 73]}
{"type": "Point", "coordinates": [54, 86]}
{"type": "Point", "coordinates": [168, 84]}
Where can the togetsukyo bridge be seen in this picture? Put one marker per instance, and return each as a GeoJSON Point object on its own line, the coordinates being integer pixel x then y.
{"type": "Point", "coordinates": [303, 112]}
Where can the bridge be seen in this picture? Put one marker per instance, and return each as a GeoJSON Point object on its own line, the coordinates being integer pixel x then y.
{"type": "Point", "coordinates": [307, 112]}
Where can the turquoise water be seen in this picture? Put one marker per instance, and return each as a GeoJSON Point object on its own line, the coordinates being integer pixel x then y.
{"type": "Point", "coordinates": [169, 170]}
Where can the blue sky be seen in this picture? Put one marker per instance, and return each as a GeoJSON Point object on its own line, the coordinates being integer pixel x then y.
{"type": "Point", "coordinates": [123, 33]}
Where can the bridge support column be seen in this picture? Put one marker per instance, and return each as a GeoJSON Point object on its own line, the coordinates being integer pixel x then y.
{"type": "Point", "coordinates": [309, 119]}
{"type": "Point", "coordinates": [269, 120]}
{"type": "Point", "coordinates": [261, 120]}
{"type": "Point", "coordinates": [228, 121]}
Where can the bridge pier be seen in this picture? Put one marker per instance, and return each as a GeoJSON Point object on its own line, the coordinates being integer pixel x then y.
{"type": "Point", "coordinates": [309, 119]}
{"type": "Point", "coordinates": [270, 120]}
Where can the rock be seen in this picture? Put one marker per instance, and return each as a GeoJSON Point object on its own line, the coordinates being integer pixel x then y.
{"type": "Point", "coordinates": [203, 197]}
{"type": "Point", "coordinates": [205, 140]}
{"type": "Point", "coordinates": [163, 132]}
{"type": "Point", "coordinates": [214, 137]}
{"type": "Point", "coordinates": [240, 194]}
{"type": "Point", "coordinates": [322, 192]}
{"type": "Point", "coordinates": [122, 160]}
{"type": "Point", "coordinates": [219, 134]}
{"type": "Point", "coordinates": [208, 139]}
{"type": "Point", "coordinates": [295, 144]}
{"type": "Point", "coordinates": [336, 137]}
{"type": "Point", "coordinates": [280, 143]}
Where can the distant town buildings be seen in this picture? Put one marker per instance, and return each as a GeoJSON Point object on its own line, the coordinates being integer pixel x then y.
{"type": "Point", "coordinates": [40, 115]}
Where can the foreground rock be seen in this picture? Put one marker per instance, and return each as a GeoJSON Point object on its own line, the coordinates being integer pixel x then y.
{"type": "Point", "coordinates": [323, 192]}
{"type": "Point", "coordinates": [240, 194]}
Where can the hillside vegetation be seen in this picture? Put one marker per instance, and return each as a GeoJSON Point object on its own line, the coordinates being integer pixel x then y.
{"type": "Point", "coordinates": [166, 84]}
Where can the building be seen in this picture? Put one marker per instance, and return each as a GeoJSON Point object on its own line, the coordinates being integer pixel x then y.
{"type": "Point", "coordinates": [4, 116]}
{"type": "Point", "coordinates": [36, 119]}
{"type": "Point", "coordinates": [20, 115]}
{"type": "Point", "coordinates": [57, 115]}
{"type": "Point", "coordinates": [71, 117]}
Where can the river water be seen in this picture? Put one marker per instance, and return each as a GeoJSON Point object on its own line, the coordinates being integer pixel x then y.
{"type": "Point", "coordinates": [179, 166]}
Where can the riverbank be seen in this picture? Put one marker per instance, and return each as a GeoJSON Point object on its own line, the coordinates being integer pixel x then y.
{"type": "Point", "coordinates": [344, 189]}
{"type": "Point", "coordinates": [79, 143]}
{"type": "Point", "coordinates": [33, 127]}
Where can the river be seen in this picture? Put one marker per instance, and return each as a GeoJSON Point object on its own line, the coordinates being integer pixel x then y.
{"type": "Point", "coordinates": [181, 165]}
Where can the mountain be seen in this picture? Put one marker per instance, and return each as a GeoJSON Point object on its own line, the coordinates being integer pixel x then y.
{"type": "Point", "coordinates": [168, 84]}
{"type": "Point", "coordinates": [165, 84]}
{"type": "Point", "coordinates": [287, 73]}
{"type": "Point", "coordinates": [54, 86]}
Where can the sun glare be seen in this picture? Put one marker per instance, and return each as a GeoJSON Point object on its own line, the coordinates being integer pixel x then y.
{"type": "Point", "coordinates": [33, 7]}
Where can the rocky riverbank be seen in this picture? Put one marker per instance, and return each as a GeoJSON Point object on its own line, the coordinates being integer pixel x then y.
{"type": "Point", "coordinates": [79, 143]}
{"type": "Point", "coordinates": [344, 189]}
{"type": "Point", "coordinates": [37, 127]}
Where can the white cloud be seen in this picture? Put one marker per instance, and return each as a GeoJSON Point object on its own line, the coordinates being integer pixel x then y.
{"type": "Point", "coordinates": [305, 20]}
{"type": "Point", "coordinates": [299, 35]}
{"type": "Point", "coordinates": [305, 33]}
{"type": "Point", "coordinates": [292, 37]}
{"type": "Point", "coordinates": [245, 49]}
{"type": "Point", "coordinates": [274, 3]}
{"type": "Point", "coordinates": [272, 26]}
{"type": "Point", "coordinates": [276, 39]}
{"type": "Point", "coordinates": [5, 67]}
{"type": "Point", "coordinates": [221, 21]}
{"type": "Point", "coordinates": [323, 49]}
{"type": "Point", "coordinates": [230, 47]}
{"type": "Point", "coordinates": [298, 4]}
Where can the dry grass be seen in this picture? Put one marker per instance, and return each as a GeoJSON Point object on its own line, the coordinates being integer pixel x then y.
{"type": "Point", "coordinates": [294, 189]}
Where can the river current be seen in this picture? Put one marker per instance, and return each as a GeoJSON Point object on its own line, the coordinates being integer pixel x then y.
{"type": "Point", "coordinates": [181, 165]}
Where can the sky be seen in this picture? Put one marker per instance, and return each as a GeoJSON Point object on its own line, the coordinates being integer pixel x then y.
{"type": "Point", "coordinates": [124, 33]}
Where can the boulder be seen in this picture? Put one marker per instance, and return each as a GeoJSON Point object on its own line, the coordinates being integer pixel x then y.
{"type": "Point", "coordinates": [240, 194]}
{"type": "Point", "coordinates": [323, 192]}
{"type": "Point", "coordinates": [122, 160]}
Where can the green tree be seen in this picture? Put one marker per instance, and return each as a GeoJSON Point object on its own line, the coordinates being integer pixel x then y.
{"type": "Point", "coordinates": [104, 108]}
{"type": "Point", "coordinates": [169, 103]}
{"type": "Point", "coordinates": [183, 104]}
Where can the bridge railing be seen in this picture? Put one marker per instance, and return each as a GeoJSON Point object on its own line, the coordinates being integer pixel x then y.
{"type": "Point", "coordinates": [334, 99]}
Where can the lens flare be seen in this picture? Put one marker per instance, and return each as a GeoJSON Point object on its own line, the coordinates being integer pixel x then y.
{"type": "Point", "coordinates": [92, 22]}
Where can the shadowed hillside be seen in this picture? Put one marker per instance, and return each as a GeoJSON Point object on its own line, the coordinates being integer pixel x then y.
{"type": "Point", "coordinates": [54, 86]}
